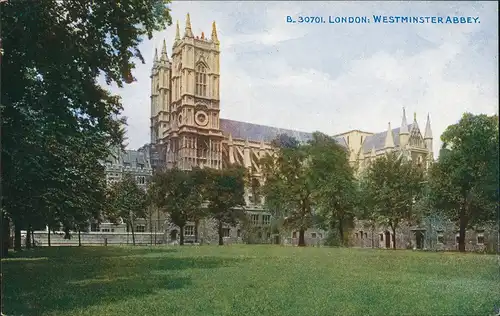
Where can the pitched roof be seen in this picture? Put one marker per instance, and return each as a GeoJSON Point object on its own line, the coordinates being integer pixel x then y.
{"type": "Point", "coordinates": [258, 133]}
{"type": "Point", "coordinates": [132, 157]}
{"type": "Point", "coordinates": [378, 140]}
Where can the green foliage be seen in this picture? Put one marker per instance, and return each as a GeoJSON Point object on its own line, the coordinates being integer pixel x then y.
{"type": "Point", "coordinates": [335, 190]}
{"type": "Point", "coordinates": [58, 122]}
{"type": "Point", "coordinates": [391, 187]}
{"type": "Point", "coordinates": [464, 182]}
{"type": "Point", "coordinates": [224, 190]}
{"type": "Point", "coordinates": [127, 201]}
{"type": "Point", "coordinates": [289, 187]}
{"type": "Point", "coordinates": [180, 194]}
{"type": "Point", "coordinates": [309, 181]}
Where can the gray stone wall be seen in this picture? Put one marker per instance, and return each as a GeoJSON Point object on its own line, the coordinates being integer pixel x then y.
{"type": "Point", "coordinates": [431, 234]}
{"type": "Point", "coordinates": [98, 239]}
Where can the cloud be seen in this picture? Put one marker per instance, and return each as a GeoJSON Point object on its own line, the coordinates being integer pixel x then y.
{"type": "Point", "coordinates": [334, 78]}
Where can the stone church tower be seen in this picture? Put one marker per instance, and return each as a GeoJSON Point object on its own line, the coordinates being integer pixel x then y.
{"type": "Point", "coordinates": [185, 101]}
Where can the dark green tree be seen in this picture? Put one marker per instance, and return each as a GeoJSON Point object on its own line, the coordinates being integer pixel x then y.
{"type": "Point", "coordinates": [464, 182]}
{"type": "Point", "coordinates": [225, 190]}
{"type": "Point", "coordinates": [179, 194]}
{"type": "Point", "coordinates": [127, 202]}
{"type": "Point", "coordinates": [289, 185]}
{"type": "Point", "coordinates": [335, 186]}
{"type": "Point", "coordinates": [53, 108]}
{"type": "Point", "coordinates": [392, 187]}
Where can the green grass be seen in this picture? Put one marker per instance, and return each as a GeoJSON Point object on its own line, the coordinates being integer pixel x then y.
{"type": "Point", "coordinates": [248, 280]}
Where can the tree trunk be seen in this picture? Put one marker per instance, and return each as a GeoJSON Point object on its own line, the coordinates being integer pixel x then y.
{"type": "Point", "coordinates": [461, 233]}
{"type": "Point", "coordinates": [17, 237]}
{"type": "Point", "coordinates": [394, 237]}
{"type": "Point", "coordinates": [151, 224]}
{"type": "Point", "coordinates": [33, 238]}
{"type": "Point", "coordinates": [196, 224]}
{"type": "Point", "coordinates": [48, 237]}
{"type": "Point", "coordinates": [28, 239]}
{"type": "Point", "coordinates": [133, 234]}
{"type": "Point", "coordinates": [181, 235]}
{"type": "Point", "coordinates": [373, 241]}
{"type": "Point", "coordinates": [302, 239]}
{"type": "Point", "coordinates": [79, 239]}
{"type": "Point", "coordinates": [341, 234]}
{"type": "Point", "coordinates": [5, 237]}
{"type": "Point", "coordinates": [221, 240]}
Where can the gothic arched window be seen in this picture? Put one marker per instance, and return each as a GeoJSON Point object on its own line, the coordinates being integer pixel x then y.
{"type": "Point", "coordinates": [201, 80]}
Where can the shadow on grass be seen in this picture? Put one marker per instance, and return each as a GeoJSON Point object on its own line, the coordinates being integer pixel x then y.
{"type": "Point", "coordinates": [66, 278]}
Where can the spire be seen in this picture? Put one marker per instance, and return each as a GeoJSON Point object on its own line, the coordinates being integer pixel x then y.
{"type": "Point", "coordinates": [164, 56]}
{"type": "Point", "coordinates": [215, 39]}
{"type": "Point", "coordinates": [155, 60]}
{"type": "Point", "coordinates": [262, 143]}
{"type": "Point", "coordinates": [428, 131]}
{"type": "Point", "coordinates": [404, 125]}
{"type": "Point", "coordinates": [188, 32]}
{"type": "Point", "coordinates": [389, 138]}
{"type": "Point", "coordinates": [177, 32]}
{"type": "Point", "coordinates": [230, 140]}
{"type": "Point", "coordinates": [247, 145]}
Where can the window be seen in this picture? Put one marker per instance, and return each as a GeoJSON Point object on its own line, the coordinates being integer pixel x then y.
{"type": "Point", "coordinates": [112, 230]}
{"type": "Point", "coordinates": [226, 232]}
{"type": "Point", "coordinates": [480, 237]}
{"type": "Point", "coordinates": [268, 235]}
{"type": "Point", "coordinates": [440, 237]}
{"type": "Point", "coordinates": [381, 237]}
{"type": "Point", "coordinates": [357, 236]}
{"type": "Point", "coordinates": [313, 235]}
{"type": "Point", "coordinates": [266, 219]}
{"type": "Point", "coordinates": [361, 234]}
{"type": "Point", "coordinates": [255, 219]}
{"type": "Point", "coordinates": [456, 239]}
{"type": "Point", "coordinates": [94, 227]}
{"type": "Point", "coordinates": [294, 235]}
{"type": "Point", "coordinates": [140, 228]}
{"type": "Point", "coordinates": [320, 235]}
{"type": "Point", "coordinates": [201, 81]}
{"type": "Point", "coordinates": [141, 180]}
{"type": "Point", "coordinates": [238, 233]}
{"type": "Point", "coordinates": [366, 235]}
{"type": "Point", "coordinates": [259, 234]}
{"type": "Point", "coordinates": [105, 230]}
{"type": "Point", "coordinates": [189, 230]}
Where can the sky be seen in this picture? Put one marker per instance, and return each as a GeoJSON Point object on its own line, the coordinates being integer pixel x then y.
{"type": "Point", "coordinates": [336, 77]}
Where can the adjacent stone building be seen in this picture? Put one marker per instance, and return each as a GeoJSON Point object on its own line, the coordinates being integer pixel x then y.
{"type": "Point", "coordinates": [186, 125]}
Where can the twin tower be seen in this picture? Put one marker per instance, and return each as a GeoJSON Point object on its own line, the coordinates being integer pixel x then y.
{"type": "Point", "coordinates": [185, 100]}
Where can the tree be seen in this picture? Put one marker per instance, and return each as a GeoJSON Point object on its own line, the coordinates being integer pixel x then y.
{"type": "Point", "coordinates": [52, 105]}
{"type": "Point", "coordinates": [464, 182]}
{"type": "Point", "coordinates": [289, 185]}
{"type": "Point", "coordinates": [225, 192]}
{"type": "Point", "coordinates": [178, 193]}
{"type": "Point", "coordinates": [335, 190]}
{"type": "Point", "coordinates": [392, 186]}
{"type": "Point", "coordinates": [127, 202]}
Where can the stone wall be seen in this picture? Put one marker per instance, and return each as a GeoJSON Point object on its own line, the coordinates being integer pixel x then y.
{"type": "Point", "coordinates": [431, 234]}
{"type": "Point", "coordinates": [98, 239]}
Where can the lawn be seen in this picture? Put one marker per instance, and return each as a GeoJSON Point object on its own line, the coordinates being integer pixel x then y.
{"type": "Point", "coordinates": [248, 280]}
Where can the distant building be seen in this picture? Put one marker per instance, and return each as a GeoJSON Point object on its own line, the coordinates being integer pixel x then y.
{"type": "Point", "coordinates": [134, 162]}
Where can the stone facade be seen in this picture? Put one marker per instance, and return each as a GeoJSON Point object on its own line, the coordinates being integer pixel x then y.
{"type": "Point", "coordinates": [186, 126]}
{"type": "Point", "coordinates": [432, 234]}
